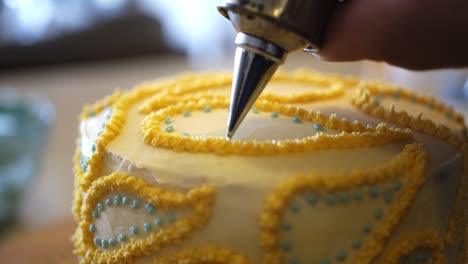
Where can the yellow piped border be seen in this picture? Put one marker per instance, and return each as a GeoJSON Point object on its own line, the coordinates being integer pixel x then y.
{"type": "Point", "coordinates": [120, 104]}
{"type": "Point", "coordinates": [211, 254]}
{"type": "Point", "coordinates": [422, 239]}
{"type": "Point", "coordinates": [99, 106]}
{"type": "Point", "coordinates": [354, 134]}
{"type": "Point", "coordinates": [367, 92]}
{"type": "Point", "coordinates": [411, 162]}
{"type": "Point", "coordinates": [333, 86]}
{"type": "Point", "coordinates": [199, 199]}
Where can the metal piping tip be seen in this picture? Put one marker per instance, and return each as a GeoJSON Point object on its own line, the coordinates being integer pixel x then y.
{"type": "Point", "coordinates": [252, 71]}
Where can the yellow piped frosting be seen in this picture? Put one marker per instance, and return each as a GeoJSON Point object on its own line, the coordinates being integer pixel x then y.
{"type": "Point", "coordinates": [353, 135]}
{"type": "Point", "coordinates": [410, 166]}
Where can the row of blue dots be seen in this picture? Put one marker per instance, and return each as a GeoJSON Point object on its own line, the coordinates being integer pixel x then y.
{"type": "Point", "coordinates": [117, 200]}
{"type": "Point", "coordinates": [134, 231]}
{"type": "Point", "coordinates": [331, 199]}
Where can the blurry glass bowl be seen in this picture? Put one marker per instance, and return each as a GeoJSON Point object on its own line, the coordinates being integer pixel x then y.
{"type": "Point", "coordinates": [25, 121]}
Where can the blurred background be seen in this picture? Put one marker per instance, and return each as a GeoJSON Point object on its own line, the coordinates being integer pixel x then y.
{"type": "Point", "coordinates": [57, 55]}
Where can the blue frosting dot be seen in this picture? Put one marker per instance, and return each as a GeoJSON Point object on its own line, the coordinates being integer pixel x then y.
{"type": "Point", "coordinates": [97, 242]}
{"type": "Point", "coordinates": [367, 228]}
{"type": "Point", "coordinates": [287, 227]}
{"type": "Point", "coordinates": [108, 202]}
{"type": "Point", "coordinates": [344, 197]}
{"type": "Point", "coordinates": [357, 243]}
{"type": "Point", "coordinates": [185, 134]}
{"type": "Point", "coordinates": [331, 199]}
{"type": "Point", "coordinates": [311, 199]}
{"type": "Point", "coordinates": [296, 120]}
{"type": "Point", "coordinates": [207, 109]}
{"type": "Point", "coordinates": [397, 185]}
{"type": "Point", "coordinates": [95, 214]}
{"type": "Point", "coordinates": [150, 209]}
{"type": "Point", "coordinates": [419, 257]}
{"type": "Point", "coordinates": [121, 237]}
{"type": "Point", "coordinates": [125, 200]}
{"type": "Point", "coordinates": [117, 200]}
{"type": "Point", "coordinates": [100, 207]}
{"type": "Point", "coordinates": [92, 228]}
{"type": "Point", "coordinates": [93, 148]}
{"type": "Point", "coordinates": [449, 115]}
{"type": "Point", "coordinates": [341, 256]}
{"type": "Point", "coordinates": [388, 198]}
{"type": "Point", "coordinates": [255, 111]}
{"type": "Point", "coordinates": [295, 207]}
{"type": "Point", "coordinates": [374, 191]}
{"type": "Point", "coordinates": [169, 129]}
{"type": "Point", "coordinates": [325, 261]}
{"type": "Point", "coordinates": [91, 113]}
{"type": "Point", "coordinates": [158, 222]}
{"type": "Point", "coordinates": [376, 102]}
{"type": "Point", "coordinates": [187, 113]}
{"type": "Point", "coordinates": [167, 120]}
{"type": "Point", "coordinates": [318, 127]}
{"type": "Point", "coordinates": [274, 114]}
{"type": "Point", "coordinates": [112, 242]}
{"type": "Point", "coordinates": [294, 261]}
{"type": "Point", "coordinates": [135, 204]}
{"type": "Point", "coordinates": [147, 227]}
{"type": "Point", "coordinates": [170, 217]}
{"type": "Point", "coordinates": [286, 245]}
{"type": "Point", "coordinates": [357, 195]}
{"type": "Point", "coordinates": [104, 244]}
{"type": "Point", "coordinates": [378, 214]}
{"type": "Point", "coordinates": [134, 230]}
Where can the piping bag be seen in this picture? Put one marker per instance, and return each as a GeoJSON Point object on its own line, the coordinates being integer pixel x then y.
{"type": "Point", "coordinates": [267, 31]}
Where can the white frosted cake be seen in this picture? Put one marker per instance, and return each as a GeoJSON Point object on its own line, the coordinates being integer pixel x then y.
{"type": "Point", "coordinates": [323, 170]}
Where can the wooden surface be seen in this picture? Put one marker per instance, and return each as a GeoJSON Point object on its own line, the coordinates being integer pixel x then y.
{"type": "Point", "coordinates": [50, 244]}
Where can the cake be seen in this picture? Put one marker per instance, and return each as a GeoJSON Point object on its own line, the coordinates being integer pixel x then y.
{"type": "Point", "coordinates": [324, 169]}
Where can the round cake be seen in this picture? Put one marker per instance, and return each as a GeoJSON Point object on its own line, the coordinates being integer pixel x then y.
{"type": "Point", "coordinates": [324, 169]}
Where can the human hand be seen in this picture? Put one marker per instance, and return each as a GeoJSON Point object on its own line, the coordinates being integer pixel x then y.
{"type": "Point", "coordinates": [414, 34]}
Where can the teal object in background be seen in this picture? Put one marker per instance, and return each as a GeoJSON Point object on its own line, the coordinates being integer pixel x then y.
{"type": "Point", "coordinates": [24, 125]}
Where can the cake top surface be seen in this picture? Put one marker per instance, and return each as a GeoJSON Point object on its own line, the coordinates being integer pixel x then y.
{"type": "Point", "coordinates": [303, 123]}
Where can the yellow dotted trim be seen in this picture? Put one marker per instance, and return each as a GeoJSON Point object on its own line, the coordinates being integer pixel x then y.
{"type": "Point", "coordinates": [353, 135]}
{"type": "Point", "coordinates": [198, 199]}
{"type": "Point", "coordinates": [410, 163]}
{"type": "Point", "coordinates": [427, 239]}
{"type": "Point", "coordinates": [202, 255]}
{"type": "Point", "coordinates": [367, 92]}
{"type": "Point", "coordinates": [459, 215]}
{"type": "Point", "coordinates": [185, 91]}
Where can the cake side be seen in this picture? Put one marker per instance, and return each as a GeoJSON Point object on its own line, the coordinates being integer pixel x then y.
{"type": "Point", "coordinates": [332, 159]}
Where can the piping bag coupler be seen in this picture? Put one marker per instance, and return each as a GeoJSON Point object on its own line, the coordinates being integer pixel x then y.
{"type": "Point", "coordinates": [267, 31]}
